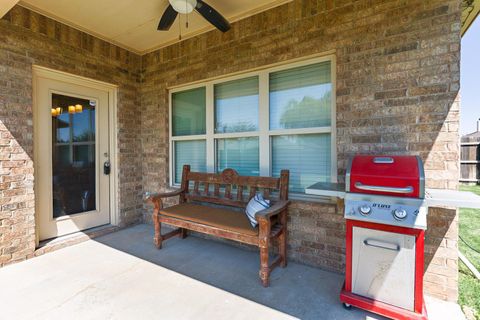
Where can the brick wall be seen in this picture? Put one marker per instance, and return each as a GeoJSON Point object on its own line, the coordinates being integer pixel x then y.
{"type": "Point", "coordinates": [397, 79]}
{"type": "Point", "coordinates": [28, 38]}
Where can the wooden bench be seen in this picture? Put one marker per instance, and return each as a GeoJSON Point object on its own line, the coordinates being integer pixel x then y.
{"type": "Point", "coordinates": [214, 213]}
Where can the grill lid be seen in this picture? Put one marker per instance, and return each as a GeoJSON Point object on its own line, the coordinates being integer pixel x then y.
{"type": "Point", "coordinates": [398, 176]}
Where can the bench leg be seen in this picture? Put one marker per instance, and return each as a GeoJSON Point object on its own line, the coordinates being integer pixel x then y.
{"type": "Point", "coordinates": [264, 245]}
{"type": "Point", "coordinates": [183, 233]}
{"type": "Point", "coordinates": [282, 240]}
{"type": "Point", "coordinates": [157, 239]}
{"type": "Point", "coordinates": [264, 268]}
{"type": "Point", "coordinates": [282, 248]}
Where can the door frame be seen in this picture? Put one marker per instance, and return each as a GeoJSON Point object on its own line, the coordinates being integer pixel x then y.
{"type": "Point", "coordinates": [38, 73]}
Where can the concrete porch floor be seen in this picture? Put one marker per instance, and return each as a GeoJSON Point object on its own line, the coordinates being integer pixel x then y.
{"type": "Point", "coordinates": [122, 276]}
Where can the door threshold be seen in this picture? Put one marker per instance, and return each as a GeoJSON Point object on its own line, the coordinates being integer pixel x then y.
{"type": "Point", "coordinates": [74, 238]}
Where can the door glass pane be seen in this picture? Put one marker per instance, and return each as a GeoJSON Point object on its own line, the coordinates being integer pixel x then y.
{"type": "Point", "coordinates": [73, 156]}
{"type": "Point", "coordinates": [62, 127]}
{"type": "Point", "coordinates": [236, 106]}
{"type": "Point", "coordinates": [193, 153]}
{"type": "Point", "coordinates": [240, 154]}
{"type": "Point", "coordinates": [301, 97]}
{"type": "Point", "coordinates": [188, 112]}
{"type": "Point", "coordinates": [307, 157]}
{"type": "Point", "coordinates": [83, 126]}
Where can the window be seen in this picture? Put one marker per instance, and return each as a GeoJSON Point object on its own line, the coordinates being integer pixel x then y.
{"type": "Point", "coordinates": [258, 124]}
{"type": "Point", "coordinates": [236, 111]}
{"type": "Point", "coordinates": [300, 98]}
{"type": "Point", "coordinates": [188, 124]}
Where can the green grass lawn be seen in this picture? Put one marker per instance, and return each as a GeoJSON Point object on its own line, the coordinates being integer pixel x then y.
{"type": "Point", "coordinates": [469, 286]}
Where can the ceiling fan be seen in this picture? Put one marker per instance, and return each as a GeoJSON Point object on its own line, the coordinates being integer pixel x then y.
{"type": "Point", "coordinates": [187, 6]}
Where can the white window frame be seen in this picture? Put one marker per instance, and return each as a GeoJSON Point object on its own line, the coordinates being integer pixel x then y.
{"type": "Point", "coordinates": [264, 133]}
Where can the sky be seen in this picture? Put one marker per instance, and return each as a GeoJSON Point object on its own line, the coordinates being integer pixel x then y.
{"type": "Point", "coordinates": [470, 79]}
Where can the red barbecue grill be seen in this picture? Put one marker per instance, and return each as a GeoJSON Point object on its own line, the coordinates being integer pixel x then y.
{"type": "Point", "coordinates": [386, 206]}
{"type": "Point", "coordinates": [386, 216]}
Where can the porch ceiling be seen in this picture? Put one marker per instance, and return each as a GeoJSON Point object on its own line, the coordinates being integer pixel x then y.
{"type": "Point", "coordinates": [470, 11]}
{"type": "Point", "coordinates": [132, 24]}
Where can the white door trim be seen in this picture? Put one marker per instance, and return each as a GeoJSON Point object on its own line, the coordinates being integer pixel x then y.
{"type": "Point", "coordinates": [40, 72]}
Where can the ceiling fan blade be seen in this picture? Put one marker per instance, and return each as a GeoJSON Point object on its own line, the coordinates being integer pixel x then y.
{"type": "Point", "coordinates": [167, 19]}
{"type": "Point", "coordinates": [212, 16]}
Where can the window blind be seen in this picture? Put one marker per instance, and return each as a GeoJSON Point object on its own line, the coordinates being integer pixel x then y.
{"type": "Point", "coordinates": [301, 97]}
{"type": "Point", "coordinates": [236, 106]}
{"type": "Point", "coordinates": [306, 156]}
{"type": "Point", "coordinates": [188, 112]}
{"type": "Point", "coordinates": [300, 77]}
{"type": "Point", "coordinates": [240, 154]}
{"type": "Point", "coordinates": [190, 152]}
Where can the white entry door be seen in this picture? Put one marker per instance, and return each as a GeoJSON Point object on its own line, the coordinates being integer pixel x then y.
{"type": "Point", "coordinates": [72, 156]}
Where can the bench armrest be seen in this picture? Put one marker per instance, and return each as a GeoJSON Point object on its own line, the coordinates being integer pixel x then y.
{"type": "Point", "coordinates": [152, 197]}
{"type": "Point", "coordinates": [273, 210]}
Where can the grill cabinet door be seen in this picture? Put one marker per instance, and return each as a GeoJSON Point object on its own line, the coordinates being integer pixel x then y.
{"type": "Point", "coordinates": [383, 266]}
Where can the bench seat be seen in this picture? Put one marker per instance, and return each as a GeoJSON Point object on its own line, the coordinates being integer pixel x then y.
{"type": "Point", "coordinates": [212, 216]}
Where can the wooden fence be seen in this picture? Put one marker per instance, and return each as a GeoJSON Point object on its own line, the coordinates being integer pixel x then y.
{"type": "Point", "coordinates": [470, 159]}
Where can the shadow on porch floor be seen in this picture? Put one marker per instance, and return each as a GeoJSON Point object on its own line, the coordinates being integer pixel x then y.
{"type": "Point", "coordinates": [92, 280]}
{"type": "Point", "coordinates": [298, 290]}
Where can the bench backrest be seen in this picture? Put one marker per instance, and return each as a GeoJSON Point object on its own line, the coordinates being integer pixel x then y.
{"type": "Point", "coordinates": [231, 189]}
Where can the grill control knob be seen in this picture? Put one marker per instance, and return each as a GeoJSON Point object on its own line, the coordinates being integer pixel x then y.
{"type": "Point", "coordinates": [399, 214]}
{"type": "Point", "coordinates": [365, 210]}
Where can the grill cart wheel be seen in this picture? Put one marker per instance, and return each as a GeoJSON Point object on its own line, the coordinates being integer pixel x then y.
{"type": "Point", "coordinates": [347, 306]}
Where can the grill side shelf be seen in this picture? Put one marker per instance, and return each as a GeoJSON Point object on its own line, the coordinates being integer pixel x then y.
{"type": "Point", "coordinates": [327, 189]}
{"type": "Point", "coordinates": [452, 198]}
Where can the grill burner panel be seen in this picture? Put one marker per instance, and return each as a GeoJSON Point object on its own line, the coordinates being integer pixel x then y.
{"type": "Point", "coordinates": [403, 212]}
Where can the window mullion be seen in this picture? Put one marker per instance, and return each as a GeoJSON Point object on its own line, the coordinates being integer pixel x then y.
{"type": "Point", "coordinates": [263, 123]}
{"type": "Point", "coordinates": [171, 157]}
{"type": "Point", "coordinates": [333, 135]}
{"type": "Point", "coordinates": [210, 128]}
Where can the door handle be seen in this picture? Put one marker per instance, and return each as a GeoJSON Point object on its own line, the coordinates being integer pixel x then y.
{"type": "Point", "coordinates": [106, 167]}
{"type": "Point", "coordinates": [381, 245]}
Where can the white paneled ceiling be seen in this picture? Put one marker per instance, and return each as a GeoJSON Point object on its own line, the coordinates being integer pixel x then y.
{"type": "Point", "coordinates": [132, 24]}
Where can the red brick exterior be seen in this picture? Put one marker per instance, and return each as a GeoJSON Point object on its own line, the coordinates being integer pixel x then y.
{"type": "Point", "coordinates": [397, 78]}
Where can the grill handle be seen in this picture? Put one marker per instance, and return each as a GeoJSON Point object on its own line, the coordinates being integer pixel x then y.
{"type": "Point", "coordinates": [367, 187]}
{"type": "Point", "coordinates": [383, 160]}
{"type": "Point", "coordinates": [381, 245]}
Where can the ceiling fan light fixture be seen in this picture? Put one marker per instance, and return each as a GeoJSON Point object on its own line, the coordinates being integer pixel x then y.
{"type": "Point", "coordinates": [183, 6]}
